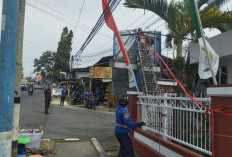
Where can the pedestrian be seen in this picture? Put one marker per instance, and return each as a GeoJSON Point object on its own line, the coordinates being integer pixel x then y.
{"type": "Point", "coordinates": [87, 98]}
{"type": "Point", "coordinates": [47, 98]}
{"type": "Point", "coordinates": [123, 128]}
{"type": "Point", "coordinates": [93, 102]}
{"type": "Point", "coordinates": [63, 96]}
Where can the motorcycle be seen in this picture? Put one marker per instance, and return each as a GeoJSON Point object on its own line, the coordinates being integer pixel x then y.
{"type": "Point", "coordinates": [76, 99]}
{"type": "Point", "coordinates": [30, 91]}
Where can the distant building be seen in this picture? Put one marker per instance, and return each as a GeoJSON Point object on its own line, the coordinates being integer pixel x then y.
{"type": "Point", "coordinates": [38, 77]}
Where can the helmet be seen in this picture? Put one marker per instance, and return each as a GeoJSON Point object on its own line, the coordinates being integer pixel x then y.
{"type": "Point", "coordinates": [123, 100]}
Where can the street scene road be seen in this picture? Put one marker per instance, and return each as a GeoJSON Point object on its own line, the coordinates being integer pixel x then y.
{"type": "Point", "coordinates": [66, 122]}
{"type": "Point", "coordinates": [128, 78]}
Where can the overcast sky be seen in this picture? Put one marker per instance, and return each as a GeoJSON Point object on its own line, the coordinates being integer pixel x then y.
{"type": "Point", "coordinates": [45, 19]}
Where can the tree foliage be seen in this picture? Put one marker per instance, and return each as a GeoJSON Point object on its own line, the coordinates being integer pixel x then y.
{"type": "Point", "coordinates": [45, 64]}
{"type": "Point", "coordinates": [179, 22]}
{"type": "Point", "coordinates": [50, 64]}
{"type": "Point", "coordinates": [63, 54]}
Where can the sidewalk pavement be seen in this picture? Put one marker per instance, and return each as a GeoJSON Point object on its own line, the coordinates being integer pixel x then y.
{"type": "Point", "coordinates": [56, 101]}
{"type": "Point", "coordinates": [73, 148]}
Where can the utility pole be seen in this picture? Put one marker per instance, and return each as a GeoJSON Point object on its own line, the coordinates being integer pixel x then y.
{"type": "Point", "coordinates": [18, 75]}
{"type": "Point", "coordinates": [8, 50]}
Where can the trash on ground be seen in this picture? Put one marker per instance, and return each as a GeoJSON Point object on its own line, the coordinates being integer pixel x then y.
{"type": "Point", "coordinates": [23, 140]}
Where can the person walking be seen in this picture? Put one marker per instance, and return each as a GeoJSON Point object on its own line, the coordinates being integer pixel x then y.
{"type": "Point", "coordinates": [47, 98]}
{"type": "Point", "coordinates": [87, 98]}
{"type": "Point", "coordinates": [93, 102]}
{"type": "Point", "coordinates": [63, 96]}
{"type": "Point", "coordinates": [123, 128]}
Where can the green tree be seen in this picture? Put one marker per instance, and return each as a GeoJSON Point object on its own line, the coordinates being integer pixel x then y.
{"type": "Point", "coordinates": [45, 64]}
{"type": "Point", "coordinates": [179, 23]}
{"type": "Point", "coordinates": [63, 54]}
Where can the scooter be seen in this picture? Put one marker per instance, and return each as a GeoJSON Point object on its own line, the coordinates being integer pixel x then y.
{"type": "Point", "coordinates": [30, 91]}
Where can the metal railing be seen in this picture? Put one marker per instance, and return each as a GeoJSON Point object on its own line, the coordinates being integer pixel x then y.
{"type": "Point", "coordinates": [178, 119]}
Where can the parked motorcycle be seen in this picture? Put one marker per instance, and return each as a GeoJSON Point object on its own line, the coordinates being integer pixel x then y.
{"type": "Point", "coordinates": [76, 98]}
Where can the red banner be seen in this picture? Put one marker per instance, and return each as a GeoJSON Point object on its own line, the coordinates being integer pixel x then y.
{"type": "Point", "coordinates": [111, 24]}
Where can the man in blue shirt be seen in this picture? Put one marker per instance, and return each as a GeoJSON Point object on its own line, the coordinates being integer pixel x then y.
{"type": "Point", "coordinates": [87, 98]}
{"type": "Point", "coordinates": [123, 128]}
{"type": "Point", "coordinates": [63, 96]}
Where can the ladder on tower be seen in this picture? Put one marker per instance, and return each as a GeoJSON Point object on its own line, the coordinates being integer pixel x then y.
{"type": "Point", "coordinates": [147, 69]}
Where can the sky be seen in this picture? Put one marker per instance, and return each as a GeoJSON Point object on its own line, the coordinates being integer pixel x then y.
{"type": "Point", "coordinates": [45, 19]}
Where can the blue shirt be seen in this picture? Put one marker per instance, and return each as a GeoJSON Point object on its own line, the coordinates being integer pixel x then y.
{"type": "Point", "coordinates": [63, 93]}
{"type": "Point", "coordinates": [87, 95]}
{"type": "Point", "coordinates": [123, 121]}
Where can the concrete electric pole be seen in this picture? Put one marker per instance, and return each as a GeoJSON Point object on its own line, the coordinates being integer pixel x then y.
{"type": "Point", "coordinates": [9, 30]}
{"type": "Point", "coordinates": [18, 75]}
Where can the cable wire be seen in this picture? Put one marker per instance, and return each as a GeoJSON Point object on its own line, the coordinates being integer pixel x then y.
{"type": "Point", "coordinates": [79, 16]}
{"type": "Point", "coordinates": [107, 12]}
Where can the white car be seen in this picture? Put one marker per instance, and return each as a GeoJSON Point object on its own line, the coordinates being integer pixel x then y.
{"type": "Point", "coordinates": [56, 92]}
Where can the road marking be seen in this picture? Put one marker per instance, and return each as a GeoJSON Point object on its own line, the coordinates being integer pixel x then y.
{"type": "Point", "coordinates": [72, 139]}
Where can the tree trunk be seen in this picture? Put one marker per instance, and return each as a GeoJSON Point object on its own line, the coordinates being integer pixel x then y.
{"type": "Point", "coordinates": [179, 43]}
{"type": "Point", "coordinates": [179, 63]}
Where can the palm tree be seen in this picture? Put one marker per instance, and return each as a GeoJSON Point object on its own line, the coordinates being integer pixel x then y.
{"type": "Point", "coordinates": [179, 22]}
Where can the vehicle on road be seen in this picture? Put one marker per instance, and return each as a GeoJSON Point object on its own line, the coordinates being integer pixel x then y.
{"type": "Point", "coordinates": [56, 92]}
{"type": "Point", "coordinates": [23, 85]}
{"type": "Point", "coordinates": [76, 98]}
{"type": "Point", "coordinates": [30, 91]}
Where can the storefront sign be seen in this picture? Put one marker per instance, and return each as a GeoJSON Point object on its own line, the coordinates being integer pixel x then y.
{"type": "Point", "coordinates": [100, 72]}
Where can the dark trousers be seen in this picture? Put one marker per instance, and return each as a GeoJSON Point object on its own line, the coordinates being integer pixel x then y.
{"type": "Point", "coordinates": [87, 103]}
{"type": "Point", "coordinates": [93, 105]}
{"type": "Point", "coordinates": [47, 104]}
{"type": "Point", "coordinates": [126, 147]}
{"type": "Point", "coordinates": [62, 101]}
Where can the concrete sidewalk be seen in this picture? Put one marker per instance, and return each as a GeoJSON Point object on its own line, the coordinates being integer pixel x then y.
{"type": "Point", "coordinates": [73, 148]}
{"type": "Point", "coordinates": [56, 101]}
{"type": "Point", "coordinates": [83, 148]}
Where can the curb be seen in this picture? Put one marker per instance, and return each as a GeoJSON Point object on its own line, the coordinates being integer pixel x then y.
{"type": "Point", "coordinates": [98, 147]}
{"type": "Point", "coordinates": [68, 139]}
{"type": "Point", "coordinates": [98, 108]}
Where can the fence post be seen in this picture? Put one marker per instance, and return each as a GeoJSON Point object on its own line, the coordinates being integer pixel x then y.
{"type": "Point", "coordinates": [165, 118]}
{"type": "Point", "coordinates": [133, 106]}
{"type": "Point", "coordinates": [221, 96]}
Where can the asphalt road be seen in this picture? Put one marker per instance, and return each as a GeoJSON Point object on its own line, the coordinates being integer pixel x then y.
{"type": "Point", "coordinates": [66, 122]}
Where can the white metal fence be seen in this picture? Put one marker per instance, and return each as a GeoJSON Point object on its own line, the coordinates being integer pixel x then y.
{"type": "Point", "coordinates": [178, 119]}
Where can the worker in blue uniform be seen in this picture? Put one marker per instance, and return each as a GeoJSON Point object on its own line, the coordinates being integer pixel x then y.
{"type": "Point", "coordinates": [123, 128]}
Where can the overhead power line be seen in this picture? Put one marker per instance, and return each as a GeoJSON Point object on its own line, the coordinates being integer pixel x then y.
{"type": "Point", "coordinates": [64, 20]}
{"type": "Point", "coordinates": [136, 20]}
{"type": "Point", "coordinates": [98, 54]}
{"type": "Point", "coordinates": [146, 20]}
{"type": "Point", "coordinates": [152, 23]}
{"type": "Point", "coordinates": [107, 11]}
{"type": "Point", "coordinates": [79, 16]}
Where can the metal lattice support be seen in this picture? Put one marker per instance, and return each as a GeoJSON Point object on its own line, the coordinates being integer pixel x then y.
{"type": "Point", "coordinates": [178, 119]}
